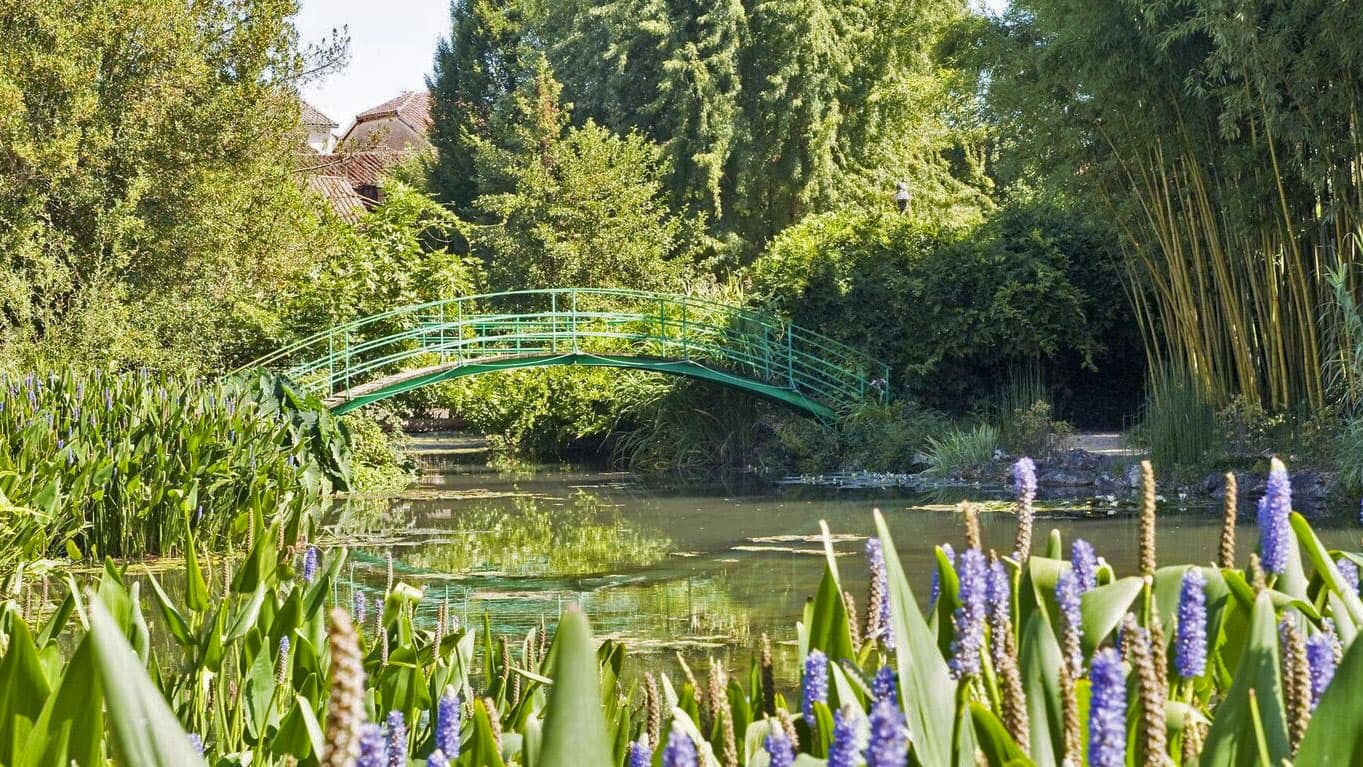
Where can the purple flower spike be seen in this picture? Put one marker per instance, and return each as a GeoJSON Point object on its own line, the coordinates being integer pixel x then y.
{"type": "Point", "coordinates": [373, 751]}
{"type": "Point", "coordinates": [681, 750]}
{"type": "Point", "coordinates": [447, 723]}
{"type": "Point", "coordinates": [1349, 571]}
{"type": "Point", "coordinates": [815, 683]}
{"type": "Point", "coordinates": [1024, 478]}
{"type": "Point", "coordinates": [882, 686]}
{"type": "Point", "coordinates": [779, 748]}
{"type": "Point", "coordinates": [1320, 656]}
{"type": "Point", "coordinates": [1191, 649]}
{"type": "Point", "coordinates": [875, 563]}
{"type": "Point", "coordinates": [889, 743]}
{"type": "Point", "coordinates": [998, 591]}
{"type": "Point", "coordinates": [310, 564]}
{"type": "Point", "coordinates": [1085, 564]}
{"type": "Point", "coordinates": [438, 759]}
{"type": "Point", "coordinates": [640, 755]}
{"type": "Point", "coordinates": [1067, 597]}
{"type": "Point", "coordinates": [196, 743]}
{"type": "Point", "coordinates": [1275, 533]}
{"type": "Point", "coordinates": [359, 609]}
{"type": "Point", "coordinates": [1107, 710]}
{"type": "Point", "coordinates": [397, 740]}
{"type": "Point", "coordinates": [968, 620]}
{"type": "Point", "coordinates": [843, 751]}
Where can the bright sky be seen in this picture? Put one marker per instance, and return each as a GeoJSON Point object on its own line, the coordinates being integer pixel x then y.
{"type": "Point", "coordinates": [392, 43]}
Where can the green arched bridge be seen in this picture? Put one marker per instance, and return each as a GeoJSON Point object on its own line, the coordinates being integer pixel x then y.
{"type": "Point", "coordinates": [377, 357]}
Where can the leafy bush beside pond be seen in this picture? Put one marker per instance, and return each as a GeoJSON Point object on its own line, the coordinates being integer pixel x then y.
{"type": "Point", "coordinates": [952, 311]}
{"type": "Point", "coordinates": [127, 464]}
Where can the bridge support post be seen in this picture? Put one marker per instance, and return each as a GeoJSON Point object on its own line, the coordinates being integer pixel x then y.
{"type": "Point", "coordinates": [553, 322]}
{"type": "Point", "coordinates": [443, 351]}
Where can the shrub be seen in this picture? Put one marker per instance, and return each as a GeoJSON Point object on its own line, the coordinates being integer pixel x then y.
{"type": "Point", "coordinates": [961, 450]}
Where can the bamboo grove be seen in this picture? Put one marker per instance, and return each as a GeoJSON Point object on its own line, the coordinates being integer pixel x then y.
{"type": "Point", "coordinates": [1223, 139]}
{"type": "Point", "coordinates": [1042, 657]}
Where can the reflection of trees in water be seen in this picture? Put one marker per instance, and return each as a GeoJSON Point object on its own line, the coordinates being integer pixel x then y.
{"type": "Point", "coordinates": [516, 536]}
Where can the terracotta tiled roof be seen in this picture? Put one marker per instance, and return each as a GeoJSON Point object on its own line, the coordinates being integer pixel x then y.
{"type": "Point", "coordinates": [347, 203]}
{"type": "Point", "coordinates": [313, 117]}
{"type": "Point", "coordinates": [412, 107]}
{"type": "Point", "coordinates": [359, 168]}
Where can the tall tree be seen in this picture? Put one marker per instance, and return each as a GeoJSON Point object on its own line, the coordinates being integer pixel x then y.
{"type": "Point", "coordinates": [149, 205]}
{"type": "Point", "coordinates": [476, 68]}
{"type": "Point", "coordinates": [579, 206]}
{"type": "Point", "coordinates": [668, 68]}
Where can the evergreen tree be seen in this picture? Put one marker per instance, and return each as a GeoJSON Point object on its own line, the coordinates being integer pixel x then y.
{"type": "Point", "coordinates": [668, 68]}
{"type": "Point", "coordinates": [579, 206]}
{"type": "Point", "coordinates": [476, 68]}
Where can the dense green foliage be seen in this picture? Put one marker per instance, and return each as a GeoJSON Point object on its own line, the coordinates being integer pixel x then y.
{"type": "Point", "coordinates": [1223, 140]}
{"type": "Point", "coordinates": [271, 661]}
{"type": "Point", "coordinates": [761, 114]}
{"type": "Point", "coordinates": [148, 208]}
{"type": "Point", "coordinates": [128, 465]}
{"type": "Point", "coordinates": [573, 206]}
{"type": "Point", "coordinates": [951, 310]}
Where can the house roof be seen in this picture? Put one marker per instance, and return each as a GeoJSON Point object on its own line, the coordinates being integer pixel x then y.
{"type": "Point", "coordinates": [411, 107]}
{"type": "Point", "coordinates": [359, 168]}
{"type": "Point", "coordinates": [337, 191]}
{"type": "Point", "coordinates": [312, 117]}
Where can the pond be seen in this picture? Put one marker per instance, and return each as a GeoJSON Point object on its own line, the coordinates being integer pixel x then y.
{"type": "Point", "coordinates": [703, 571]}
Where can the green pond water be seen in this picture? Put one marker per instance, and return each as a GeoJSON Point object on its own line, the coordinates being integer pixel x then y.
{"type": "Point", "coordinates": [698, 570]}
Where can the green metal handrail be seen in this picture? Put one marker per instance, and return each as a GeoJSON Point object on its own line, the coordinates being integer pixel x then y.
{"type": "Point", "coordinates": [384, 354]}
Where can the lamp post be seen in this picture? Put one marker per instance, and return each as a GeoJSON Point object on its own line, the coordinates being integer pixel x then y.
{"type": "Point", "coordinates": [902, 196]}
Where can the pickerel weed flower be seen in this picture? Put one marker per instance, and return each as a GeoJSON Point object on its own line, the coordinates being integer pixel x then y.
{"type": "Point", "coordinates": [815, 688]}
{"type": "Point", "coordinates": [1067, 597]}
{"type": "Point", "coordinates": [878, 606]}
{"type": "Point", "coordinates": [310, 565]}
{"type": "Point", "coordinates": [1107, 710]}
{"type": "Point", "coordinates": [196, 743]}
{"type": "Point", "coordinates": [282, 670]}
{"type": "Point", "coordinates": [1085, 564]}
{"type": "Point", "coordinates": [1024, 484]}
{"type": "Point", "coordinates": [373, 750]}
{"type": "Point", "coordinates": [842, 752]}
{"type": "Point", "coordinates": [1275, 532]}
{"type": "Point", "coordinates": [345, 711]}
{"type": "Point", "coordinates": [1349, 571]}
{"type": "Point", "coordinates": [438, 759]}
{"type": "Point", "coordinates": [882, 685]}
{"type": "Point", "coordinates": [778, 748]}
{"type": "Point", "coordinates": [1191, 649]}
{"type": "Point", "coordinates": [1320, 656]}
{"type": "Point", "coordinates": [447, 723]}
{"type": "Point", "coordinates": [889, 743]}
{"type": "Point", "coordinates": [359, 610]}
{"type": "Point", "coordinates": [998, 591]}
{"type": "Point", "coordinates": [397, 740]}
{"type": "Point", "coordinates": [968, 620]}
{"type": "Point", "coordinates": [640, 755]}
{"type": "Point", "coordinates": [681, 750]}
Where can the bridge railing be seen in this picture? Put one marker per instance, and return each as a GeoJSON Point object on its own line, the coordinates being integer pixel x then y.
{"type": "Point", "coordinates": [581, 321]}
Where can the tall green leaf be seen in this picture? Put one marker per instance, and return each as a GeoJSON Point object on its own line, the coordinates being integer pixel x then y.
{"type": "Point", "coordinates": [574, 727]}
{"type": "Point", "coordinates": [1231, 742]}
{"type": "Point", "coordinates": [142, 729]}
{"type": "Point", "coordinates": [923, 674]}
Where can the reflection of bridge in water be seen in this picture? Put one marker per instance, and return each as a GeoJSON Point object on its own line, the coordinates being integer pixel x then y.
{"type": "Point", "coordinates": [380, 356]}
